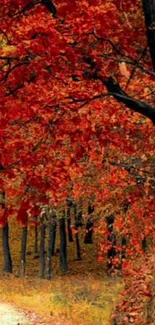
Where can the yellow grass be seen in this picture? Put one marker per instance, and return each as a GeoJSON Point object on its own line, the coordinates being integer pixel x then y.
{"type": "Point", "coordinates": [86, 301]}
{"type": "Point", "coordinates": [84, 296]}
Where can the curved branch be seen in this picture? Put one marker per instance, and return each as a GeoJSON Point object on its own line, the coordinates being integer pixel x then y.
{"type": "Point", "coordinates": [121, 96]}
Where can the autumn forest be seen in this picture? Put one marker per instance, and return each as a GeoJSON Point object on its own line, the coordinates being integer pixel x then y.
{"type": "Point", "coordinates": [77, 158]}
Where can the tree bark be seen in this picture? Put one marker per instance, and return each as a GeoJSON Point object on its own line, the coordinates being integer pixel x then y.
{"type": "Point", "coordinates": [5, 237]}
{"type": "Point", "coordinates": [53, 236]}
{"type": "Point", "coordinates": [78, 247]}
{"type": "Point", "coordinates": [144, 244]}
{"type": "Point", "coordinates": [136, 105]}
{"type": "Point", "coordinates": [121, 96]}
{"type": "Point", "coordinates": [63, 245]}
{"type": "Point", "coordinates": [49, 252]}
{"type": "Point", "coordinates": [149, 14]}
{"type": "Point", "coordinates": [36, 237]}
{"type": "Point", "coordinates": [70, 235]}
{"type": "Point", "coordinates": [6, 249]}
{"type": "Point", "coordinates": [77, 240]}
{"type": "Point", "coordinates": [23, 251]}
{"type": "Point", "coordinates": [42, 250]}
{"type": "Point", "coordinates": [123, 252]}
{"type": "Point", "coordinates": [88, 239]}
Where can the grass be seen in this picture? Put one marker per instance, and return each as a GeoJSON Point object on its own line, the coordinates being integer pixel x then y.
{"type": "Point", "coordinates": [85, 295]}
{"type": "Point", "coordinates": [84, 300]}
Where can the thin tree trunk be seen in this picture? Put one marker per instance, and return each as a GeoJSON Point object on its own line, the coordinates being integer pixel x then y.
{"type": "Point", "coordinates": [88, 239]}
{"type": "Point", "coordinates": [49, 251]}
{"type": "Point", "coordinates": [6, 249]}
{"type": "Point", "coordinates": [51, 242]}
{"type": "Point", "coordinates": [70, 235]}
{"type": "Point", "coordinates": [126, 206]}
{"type": "Point", "coordinates": [23, 251]}
{"type": "Point", "coordinates": [149, 14]}
{"type": "Point", "coordinates": [111, 254]}
{"type": "Point", "coordinates": [124, 243]}
{"type": "Point", "coordinates": [42, 249]}
{"type": "Point", "coordinates": [78, 248]}
{"type": "Point", "coordinates": [5, 237]}
{"type": "Point", "coordinates": [36, 240]}
{"type": "Point", "coordinates": [144, 244]}
{"type": "Point", "coordinates": [77, 240]}
{"type": "Point", "coordinates": [36, 237]}
{"type": "Point", "coordinates": [63, 245]}
{"type": "Point", "coordinates": [53, 236]}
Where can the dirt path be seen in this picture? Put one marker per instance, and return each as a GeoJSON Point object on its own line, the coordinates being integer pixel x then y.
{"type": "Point", "coordinates": [9, 315]}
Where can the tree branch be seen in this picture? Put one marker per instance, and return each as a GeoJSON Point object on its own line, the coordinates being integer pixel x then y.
{"type": "Point", "coordinates": [50, 6]}
{"type": "Point", "coordinates": [121, 96]}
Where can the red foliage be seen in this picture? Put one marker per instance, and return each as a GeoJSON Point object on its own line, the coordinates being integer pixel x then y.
{"type": "Point", "coordinates": [60, 129]}
{"type": "Point", "coordinates": [137, 303]}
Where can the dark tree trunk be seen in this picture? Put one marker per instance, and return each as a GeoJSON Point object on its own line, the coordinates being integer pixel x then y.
{"type": "Point", "coordinates": [5, 237]}
{"type": "Point", "coordinates": [2, 199]}
{"type": "Point", "coordinates": [88, 239]}
{"type": "Point", "coordinates": [6, 249]}
{"type": "Point", "coordinates": [77, 224]}
{"type": "Point", "coordinates": [63, 245]}
{"type": "Point", "coordinates": [124, 243]}
{"type": "Point", "coordinates": [78, 248]}
{"type": "Point", "coordinates": [23, 251]}
{"type": "Point", "coordinates": [51, 244]}
{"type": "Point", "coordinates": [144, 244]}
{"type": "Point", "coordinates": [53, 230]}
{"type": "Point", "coordinates": [70, 235]}
{"type": "Point", "coordinates": [149, 14]}
{"type": "Point", "coordinates": [42, 249]}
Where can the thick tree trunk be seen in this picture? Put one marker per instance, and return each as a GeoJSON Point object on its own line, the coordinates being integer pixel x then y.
{"type": "Point", "coordinates": [42, 250]}
{"type": "Point", "coordinates": [6, 249]}
{"type": "Point", "coordinates": [23, 251]}
{"type": "Point", "coordinates": [149, 14]}
{"type": "Point", "coordinates": [63, 245]}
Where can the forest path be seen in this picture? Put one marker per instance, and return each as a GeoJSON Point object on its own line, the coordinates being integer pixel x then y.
{"type": "Point", "coordinates": [9, 315]}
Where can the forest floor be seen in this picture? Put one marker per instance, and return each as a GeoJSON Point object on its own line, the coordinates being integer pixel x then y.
{"type": "Point", "coordinates": [62, 301]}
{"type": "Point", "coordinates": [85, 295]}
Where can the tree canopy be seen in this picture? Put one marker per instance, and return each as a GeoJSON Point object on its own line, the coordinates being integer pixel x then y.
{"type": "Point", "coordinates": [76, 95]}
